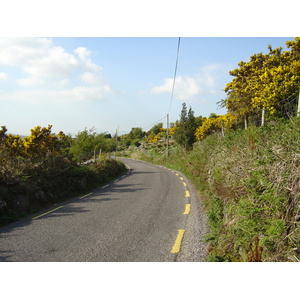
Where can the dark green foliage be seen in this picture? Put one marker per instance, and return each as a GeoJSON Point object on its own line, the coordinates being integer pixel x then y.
{"type": "Point", "coordinates": [32, 182]}
{"type": "Point", "coordinates": [53, 181]}
{"type": "Point", "coordinates": [88, 142]}
{"type": "Point", "coordinates": [185, 134]}
{"type": "Point", "coordinates": [156, 128]}
{"type": "Point", "coordinates": [136, 133]}
{"type": "Point", "coordinates": [250, 183]}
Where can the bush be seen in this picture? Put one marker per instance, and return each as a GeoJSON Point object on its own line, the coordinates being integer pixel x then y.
{"type": "Point", "coordinates": [255, 174]}
{"type": "Point", "coordinates": [250, 180]}
{"type": "Point", "coordinates": [52, 181]}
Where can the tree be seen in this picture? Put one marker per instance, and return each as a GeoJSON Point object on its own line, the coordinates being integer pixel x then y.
{"type": "Point", "coordinates": [38, 145]}
{"type": "Point", "coordinates": [215, 124]}
{"type": "Point", "coordinates": [42, 142]}
{"type": "Point", "coordinates": [136, 133]}
{"type": "Point", "coordinates": [185, 133]}
{"type": "Point", "coordinates": [239, 93]}
{"type": "Point", "coordinates": [3, 131]}
{"type": "Point", "coordinates": [83, 145]}
{"type": "Point", "coordinates": [14, 145]}
{"type": "Point", "coordinates": [261, 84]}
{"type": "Point", "coordinates": [156, 128]}
{"type": "Point", "coordinates": [87, 142]}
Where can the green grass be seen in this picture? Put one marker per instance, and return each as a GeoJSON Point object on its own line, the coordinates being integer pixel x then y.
{"type": "Point", "coordinates": [250, 182]}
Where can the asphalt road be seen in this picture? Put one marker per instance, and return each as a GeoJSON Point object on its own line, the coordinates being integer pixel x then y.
{"type": "Point", "coordinates": [151, 214]}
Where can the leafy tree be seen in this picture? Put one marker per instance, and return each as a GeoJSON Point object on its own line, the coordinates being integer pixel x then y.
{"type": "Point", "coordinates": [83, 145]}
{"type": "Point", "coordinates": [215, 124]}
{"type": "Point", "coordinates": [213, 116]}
{"type": "Point", "coordinates": [240, 96]}
{"type": "Point", "coordinates": [136, 133]}
{"type": "Point", "coordinates": [88, 141]}
{"type": "Point", "coordinates": [156, 128]}
{"type": "Point", "coordinates": [38, 145]}
{"type": "Point", "coordinates": [133, 137]}
{"type": "Point", "coordinates": [41, 142]}
{"type": "Point", "coordinates": [185, 134]}
{"type": "Point", "coordinates": [262, 83]}
{"type": "Point", "coordinates": [14, 145]}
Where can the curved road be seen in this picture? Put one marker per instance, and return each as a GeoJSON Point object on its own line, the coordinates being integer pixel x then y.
{"type": "Point", "coordinates": [149, 214]}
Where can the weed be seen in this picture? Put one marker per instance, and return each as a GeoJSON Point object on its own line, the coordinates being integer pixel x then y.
{"type": "Point", "coordinates": [250, 180]}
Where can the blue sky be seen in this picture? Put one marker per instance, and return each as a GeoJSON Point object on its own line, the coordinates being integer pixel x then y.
{"type": "Point", "coordinates": [73, 83]}
{"type": "Point", "coordinates": [110, 82]}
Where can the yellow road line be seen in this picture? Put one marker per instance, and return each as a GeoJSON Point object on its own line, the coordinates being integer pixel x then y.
{"type": "Point", "coordinates": [187, 209]}
{"type": "Point", "coordinates": [105, 186]}
{"type": "Point", "coordinates": [177, 245]}
{"type": "Point", "coordinates": [187, 194]}
{"type": "Point", "coordinates": [184, 183]}
{"type": "Point", "coordinates": [48, 212]}
{"type": "Point", "coordinates": [181, 178]}
{"type": "Point", "coordinates": [85, 195]}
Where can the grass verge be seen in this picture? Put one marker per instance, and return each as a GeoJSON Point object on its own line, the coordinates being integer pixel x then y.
{"type": "Point", "coordinates": [40, 186]}
{"type": "Point", "coordinates": [250, 180]}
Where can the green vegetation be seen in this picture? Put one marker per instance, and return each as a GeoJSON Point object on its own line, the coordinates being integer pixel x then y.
{"type": "Point", "coordinates": [88, 144]}
{"type": "Point", "coordinates": [43, 169]}
{"type": "Point", "coordinates": [250, 182]}
{"type": "Point", "coordinates": [248, 174]}
{"type": "Point", "coordinates": [185, 133]}
{"type": "Point", "coordinates": [261, 85]}
{"type": "Point", "coordinates": [249, 179]}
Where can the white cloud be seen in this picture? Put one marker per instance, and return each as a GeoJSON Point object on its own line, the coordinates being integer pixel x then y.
{"type": "Point", "coordinates": [55, 63]}
{"type": "Point", "coordinates": [38, 57]}
{"type": "Point", "coordinates": [192, 88]}
{"type": "Point", "coordinates": [76, 94]}
{"type": "Point", "coordinates": [84, 57]}
{"type": "Point", "coordinates": [29, 81]}
{"type": "Point", "coordinates": [92, 78]}
{"type": "Point", "coordinates": [54, 68]}
{"type": "Point", "coordinates": [3, 76]}
{"type": "Point", "coordinates": [208, 75]}
{"type": "Point", "coordinates": [184, 87]}
{"type": "Point", "coordinates": [61, 83]}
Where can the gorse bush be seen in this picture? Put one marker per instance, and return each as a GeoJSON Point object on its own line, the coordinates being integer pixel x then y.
{"type": "Point", "coordinates": [255, 174]}
{"type": "Point", "coordinates": [250, 180]}
{"type": "Point", "coordinates": [38, 171]}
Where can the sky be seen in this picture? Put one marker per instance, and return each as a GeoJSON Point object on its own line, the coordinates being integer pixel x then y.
{"type": "Point", "coordinates": [115, 83]}
{"type": "Point", "coordinates": [109, 65]}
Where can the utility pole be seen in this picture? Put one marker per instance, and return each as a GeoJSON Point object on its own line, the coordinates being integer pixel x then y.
{"type": "Point", "coordinates": [117, 130]}
{"type": "Point", "coordinates": [263, 117]}
{"type": "Point", "coordinates": [116, 143]}
{"type": "Point", "coordinates": [167, 135]}
{"type": "Point", "coordinates": [298, 110]}
{"type": "Point", "coordinates": [222, 129]}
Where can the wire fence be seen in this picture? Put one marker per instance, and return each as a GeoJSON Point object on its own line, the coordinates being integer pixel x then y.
{"type": "Point", "coordinates": [286, 109]}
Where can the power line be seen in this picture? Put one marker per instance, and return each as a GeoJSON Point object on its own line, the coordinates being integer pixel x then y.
{"type": "Point", "coordinates": [155, 122]}
{"type": "Point", "coordinates": [174, 75]}
{"type": "Point", "coordinates": [174, 79]}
